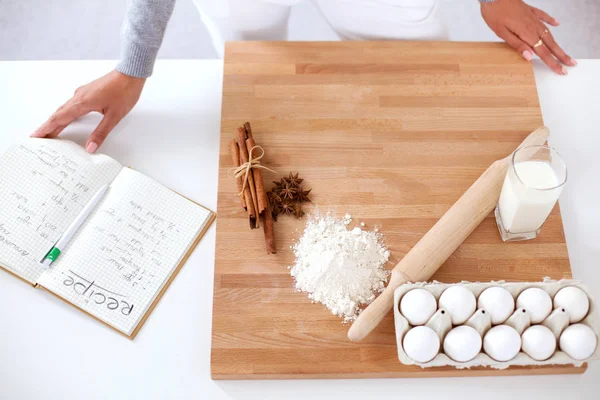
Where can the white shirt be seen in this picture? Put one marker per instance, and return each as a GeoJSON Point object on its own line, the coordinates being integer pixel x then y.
{"type": "Point", "coordinates": [351, 19]}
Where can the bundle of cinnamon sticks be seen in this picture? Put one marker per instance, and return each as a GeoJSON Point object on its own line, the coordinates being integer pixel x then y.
{"type": "Point", "coordinates": [253, 195]}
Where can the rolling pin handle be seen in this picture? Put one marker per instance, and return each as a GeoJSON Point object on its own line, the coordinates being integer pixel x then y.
{"type": "Point", "coordinates": [377, 310]}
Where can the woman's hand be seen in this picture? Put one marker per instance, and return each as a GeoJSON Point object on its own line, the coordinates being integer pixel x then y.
{"type": "Point", "coordinates": [522, 26]}
{"type": "Point", "coordinates": [113, 95]}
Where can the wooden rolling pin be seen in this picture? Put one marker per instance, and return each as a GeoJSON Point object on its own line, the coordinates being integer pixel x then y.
{"type": "Point", "coordinates": [421, 262]}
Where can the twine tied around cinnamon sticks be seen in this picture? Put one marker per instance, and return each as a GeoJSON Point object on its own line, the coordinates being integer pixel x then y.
{"type": "Point", "coordinates": [253, 195]}
{"type": "Point", "coordinates": [245, 169]}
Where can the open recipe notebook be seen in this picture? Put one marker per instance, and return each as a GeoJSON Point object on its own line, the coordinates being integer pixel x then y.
{"type": "Point", "coordinates": [124, 255]}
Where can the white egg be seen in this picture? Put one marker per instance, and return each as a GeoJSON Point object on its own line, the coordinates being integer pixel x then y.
{"type": "Point", "coordinates": [459, 302]}
{"type": "Point", "coordinates": [502, 343]}
{"type": "Point", "coordinates": [417, 306]}
{"type": "Point", "coordinates": [462, 343]}
{"type": "Point", "coordinates": [537, 302]}
{"type": "Point", "coordinates": [421, 343]}
{"type": "Point", "coordinates": [578, 341]}
{"type": "Point", "coordinates": [574, 300]}
{"type": "Point", "coordinates": [498, 302]}
{"type": "Point", "coordinates": [539, 342]}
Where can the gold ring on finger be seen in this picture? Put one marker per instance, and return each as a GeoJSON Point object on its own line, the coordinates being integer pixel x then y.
{"type": "Point", "coordinates": [546, 31]}
{"type": "Point", "coordinates": [538, 44]}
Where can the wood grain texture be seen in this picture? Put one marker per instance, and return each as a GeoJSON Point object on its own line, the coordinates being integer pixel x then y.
{"type": "Point", "coordinates": [393, 133]}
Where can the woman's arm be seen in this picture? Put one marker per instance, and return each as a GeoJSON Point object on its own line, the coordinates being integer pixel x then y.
{"type": "Point", "coordinates": [117, 92]}
{"type": "Point", "coordinates": [142, 34]}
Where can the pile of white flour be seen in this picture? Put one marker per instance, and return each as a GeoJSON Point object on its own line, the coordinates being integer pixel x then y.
{"type": "Point", "coordinates": [341, 268]}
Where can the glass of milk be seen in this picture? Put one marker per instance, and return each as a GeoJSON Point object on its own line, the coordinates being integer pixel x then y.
{"type": "Point", "coordinates": [533, 182]}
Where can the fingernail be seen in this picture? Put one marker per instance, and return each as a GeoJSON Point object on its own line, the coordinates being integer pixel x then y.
{"type": "Point", "coordinates": [573, 61]}
{"type": "Point", "coordinates": [37, 134]}
{"type": "Point", "coordinates": [527, 55]}
{"type": "Point", "coordinates": [92, 147]}
{"type": "Point", "coordinates": [564, 71]}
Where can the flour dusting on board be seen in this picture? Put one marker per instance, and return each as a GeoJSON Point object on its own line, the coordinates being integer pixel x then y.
{"type": "Point", "coordinates": [341, 268]}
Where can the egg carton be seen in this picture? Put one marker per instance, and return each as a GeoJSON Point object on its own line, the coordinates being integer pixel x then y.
{"type": "Point", "coordinates": [515, 288]}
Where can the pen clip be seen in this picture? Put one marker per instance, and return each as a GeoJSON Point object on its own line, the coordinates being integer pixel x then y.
{"type": "Point", "coordinates": [48, 252]}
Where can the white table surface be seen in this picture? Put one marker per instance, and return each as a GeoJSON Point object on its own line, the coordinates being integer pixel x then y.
{"type": "Point", "coordinates": [50, 350]}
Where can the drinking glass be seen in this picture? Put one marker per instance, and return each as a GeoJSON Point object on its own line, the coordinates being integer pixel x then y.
{"type": "Point", "coordinates": [533, 183]}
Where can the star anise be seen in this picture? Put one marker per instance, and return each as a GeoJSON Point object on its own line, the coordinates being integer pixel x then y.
{"type": "Point", "coordinates": [286, 196]}
{"type": "Point", "coordinates": [273, 197]}
{"type": "Point", "coordinates": [302, 195]}
{"type": "Point", "coordinates": [287, 208]}
{"type": "Point", "coordinates": [294, 181]}
{"type": "Point", "coordinates": [298, 210]}
{"type": "Point", "coordinates": [279, 185]}
{"type": "Point", "coordinates": [287, 192]}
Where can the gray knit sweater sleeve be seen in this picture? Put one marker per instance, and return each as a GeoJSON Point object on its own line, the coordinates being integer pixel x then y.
{"type": "Point", "coordinates": [141, 35]}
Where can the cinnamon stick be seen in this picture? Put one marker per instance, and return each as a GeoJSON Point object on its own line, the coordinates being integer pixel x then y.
{"type": "Point", "coordinates": [268, 230]}
{"type": "Point", "coordinates": [260, 187]}
{"type": "Point", "coordinates": [241, 139]}
{"type": "Point", "coordinates": [248, 129]}
{"type": "Point", "coordinates": [261, 194]}
{"type": "Point", "coordinates": [234, 151]}
{"type": "Point", "coordinates": [246, 197]}
{"type": "Point", "coordinates": [252, 216]}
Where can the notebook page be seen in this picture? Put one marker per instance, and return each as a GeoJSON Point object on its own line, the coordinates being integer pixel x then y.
{"type": "Point", "coordinates": [44, 184]}
{"type": "Point", "coordinates": [126, 250]}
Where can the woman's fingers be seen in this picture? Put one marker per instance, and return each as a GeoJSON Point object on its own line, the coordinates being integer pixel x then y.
{"type": "Point", "coordinates": [61, 118]}
{"type": "Point", "coordinates": [516, 43]}
{"type": "Point", "coordinates": [531, 33]}
{"type": "Point", "coordinates": [113, 95]}
{"type": "Point", "coordinates": [44, 130]}
{"type": "Point", "coordinates": [548, 38]}
{"type": "Point", "coordinates": [101, 132]}
{"type": "Point", "coordinates": [544, 16]}
{"type": "Point", "coordinates": [56, 132]}
{"type": "Point", "coordinates": [516, 22]}
{"type": "Point", "coordinates": [549, 41]}
{"type": "Point", "coordinates": [544, 53]}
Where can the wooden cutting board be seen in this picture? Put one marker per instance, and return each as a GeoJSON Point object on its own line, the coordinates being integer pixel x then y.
{"type": "Point", "coordinates": [392, 133]}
